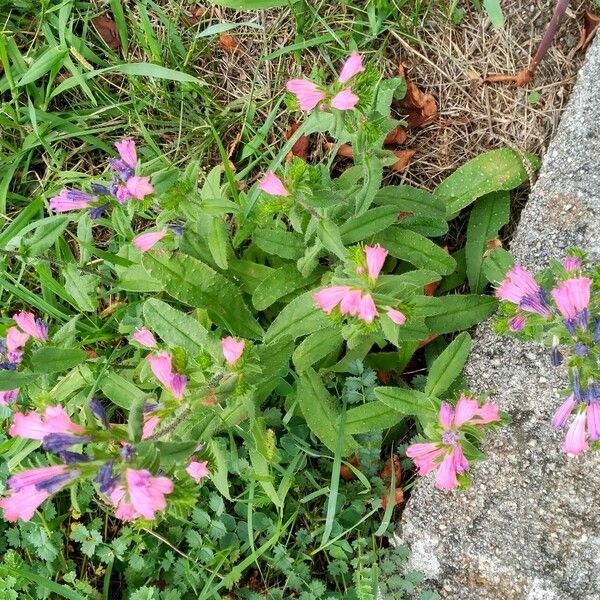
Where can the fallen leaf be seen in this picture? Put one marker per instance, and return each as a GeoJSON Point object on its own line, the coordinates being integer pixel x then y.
{"type": "Point", "coordinates": [404, 157]}
{"type": "Point", "coordinates": [395, 137]}
{"type": "Point", "coordinates": [196, 14]}
{"type": "Point", "coordinates": [431, 288]}
{"type": "Point", "coordinates": [493, 244]}
{"type": "Point", "coordinates": [229, 43]}
{"type": "Point", "coordinates": [345, 150]}
{"type": "Point", "coordinates": [427, 340]}
{"type": "Point", "coordinates": [384, 377]}
{"type": "Point", "coordinates": [300, 148]}
{"type": "Point", "coordinates": [210, 400]}
{"type": "Point", "coordinates": [346, 472]}
{"type": "Point", "coordinates": [398, 498]}
{"type": "Point", "coordinates": [521, 79]}
{"type": "Point", "coordinates": [590, 24]}
{"type": "Point", "coordinates": [107, 30]}
{"type": "Point", "coordinates": [420, 107]}
{"type": "Point", "coordinates": [386, 472]}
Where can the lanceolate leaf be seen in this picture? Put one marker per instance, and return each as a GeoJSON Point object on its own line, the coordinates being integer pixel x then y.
{"type": "Point", "coordinates": [280, 282]}
{"type": "Point", "coordinates": [279, 242]}
{"type": "Point", "coordinates": [448, 365]}
{"type": "Point", "coordinates": [489, 172]}
{"type": "Point", "coordinates": [53, 360]}
{"type": "Point", "coordinates": [408, 402]}
{"type": "Point", "coordinates": [488, 216]}
{"type": "Point", "coordinates": [196, 284]}
{"type": "Point", "coordinates": [316, 346]}
{"type": "Point", "coordinates": [10, 380]}
{"type": "Point", "coordinates": [372, 416]}
{"type": "Point", "coordinates": [459, 312]}
{"type": "Point", "coordinates": [321, 411]}
{"type": "Point", "coordinates": [361, 227]}
{"type": "Point", "coordinates": [496, 265]}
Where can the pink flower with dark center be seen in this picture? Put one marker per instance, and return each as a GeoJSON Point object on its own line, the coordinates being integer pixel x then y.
{"type": "Point", "coordinates": [146, 241]}
{"type": "Point", "coordinates": [198, 470]}
{"type": "Point", "coordinates": [575, 442]}
{"type": "Point", "coordinates": [396, 316]}
{"type": "Point", "coordinates": [15, 339]}
{"type": "Point", "coordinates": [71, 200]}
{"type": "Point", "coordinates": [29, 324]}
{"type": "Point", "coordinates": [564, 412]}
{"type": "Point", "coordinates": [144, 337]}
{"type": "Point", "coordinates": [271, 184]}
{"type": "Point", "coordinates": [34, 427]}
{"type": "Point", "coordinates": [345, 100]}
{"type": "Point", "coordinates": [127, 152]}
{"type": "Point", "coordinates": [8, 396]}
{"type": "Point", "coordinates": [139, 187]}
{"type": "Point", "coordinates": [572, 296]}
{"type": "Point", "coordinates": [368, 310]}
{"type": "Point", "coordinates": [147, 493]}
{"type": "Point", "coordinates": [22, 504]}
{"type": "Point", "coordinates": [329, 298]}
{"type": "Point", "coordinates": [232, 349]}
{"type": "Point", "coordinates": [375, 256]}
{"type": "Point", "coordinates": [353, 66]}
{"type": "Point", "coordinates": [307, 93]}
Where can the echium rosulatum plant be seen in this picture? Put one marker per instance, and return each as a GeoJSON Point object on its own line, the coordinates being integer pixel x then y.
{"type": "Point", "coordinates": [112, 455]}
{"type": "Point", "coordinates": [560, 308]}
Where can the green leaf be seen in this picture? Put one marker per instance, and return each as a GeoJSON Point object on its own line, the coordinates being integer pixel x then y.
{"type": "Point", "coordinates": [408, 199]}
{"type": "Point", "coordinates": [178, 329]}
{"type": "Point", "coordinates": [279, 283]}
{"type": "Point", "coordinates": [494, 11]}
{"type": "Point", "coordinates": [459, 312]}
{"type": "Point", "coordinates": [135, 422]}
{"type": "Point", "coordinates": [262, 472]}
{"type": "Point", "coordinates": [218, 242]}
{"type": "Point", "coordinates": [43, 583]}
{"type": "Point", "coordinates": [488, 216]}
{"type": "Point", "coordinates": [372, 171]}
{"type": "Point", "coordinates": [48, 230]}
{"type": "Point", "coordinates": [53, 360]}
{"type": "Point", "coordinates": [81, 288]}
{"type": "Point", "coordinates": [286, 244]}
{"type": "Point", "coordinates": [121, 391]}
{"type": "Point", "coordinates": [9, 380]}
{"type": "Point", "coordinates": [329, 234]}
{"type": "Point", "coordinates": [361, 227]}
{"type": "Point", "coordinates": [315, 347]}
{"type": "Point", "coordinates": [152, 70]}
{"type": "Point", "coordinates": [321, 412]}
{"type": "Point", "coordinates": [417, 250]}
{"type": "Point", "coordinates": [192, 282]}
{"type": "Point", "coordinates": [496, 265]}
{"type": "Point", "coordinates": [448, 365]}
{"type": "Point", "coordinates": [408, 402]}
{"type": "Point", "coordinates": [253, 4]}
{"type": "Point", "coordinates": [42, 64]}
{"type": "Point", "coordinates": [489, 172]}
{"type": "Point", "coordinates": [300, 317]}
{"type": "Point", "coordinates": [372, 416]}
{"type": "Point", "coordinates": [219, 476]}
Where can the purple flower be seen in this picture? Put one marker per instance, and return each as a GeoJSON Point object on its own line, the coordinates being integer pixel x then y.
{"type": "Point", "coordinates": [521, 289]}
{"type": "Point", "coordinates": [556, 357]}
{"type": "Point", "coordinates": [98, 211]}
{"type": "Point", "coordinates": [71, 200]}
{"type": "Point", "coordinates": [59, 442]}
{"type": "Point", "coordinates": [98, 411]}
{"type": "Point", "coordinates": [105, 477]}
{"type": "Point", "coordinates": [100, 189]}
{"type": "Point", "coordinates": [74, 457]}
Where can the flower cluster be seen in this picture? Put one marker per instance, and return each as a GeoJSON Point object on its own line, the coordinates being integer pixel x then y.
{"type": "Point", "coordinates": [444, 452]}
{"type": "Point", "coordinates": [13, 345]}
{"type": "Point", "coordinates": [310, 95]}
{"type": "Point", "coordinates": [565, 316]}
{"type": "Point", "coordinates": [125, 186]}
{"type": "Point", "coordinates": [358, 302]}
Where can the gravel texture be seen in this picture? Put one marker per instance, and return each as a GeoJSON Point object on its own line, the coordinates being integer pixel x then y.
{"type": "Point", "coordinates": [529, 527]}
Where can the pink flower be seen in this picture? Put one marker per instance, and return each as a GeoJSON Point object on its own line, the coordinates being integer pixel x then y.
{"type": "Point", "coordinates": [41, 475]}
{"type": "Point", "coordinates": [375, 259]}
{"type": "Point", "coordinates": [345, 100]}
{"type": "Point", "coordinates": [517, 323]}
{"type": "Point", "coordinates": [446, 416]}
{"type": "Point", "coordinates": [15, 339]}
{"type": "Point", "coordinates": [353, 66]}
{"type": "Point", "coordinates": [572, 263]}
{"type": "Point", "coordinates": [232, 349]}
{"type": "Point", "coordinates": [146, 241]}
{"type": "Point", "coordinates": [564, 412]}
{"type": "Point", "coordinates": [488, 413]}
{"type": "Point", "coordinates": [124, 510]}
{"type": "Point", "coordinates": [367, 311]}
{"type": "Point", "coordinates": [396, 316]}
{"type": "Point", "coordinates": [424, 456]}
{"type": "Point", "coordinates": [572, 296]}
{"type": "Point", "coordinates": [161, 365]}
{"type": "Point", "coordinates": [123, 194]}
{"type": "Point", "coordinates": [351, 303]}
{"type": "Point", "coordinates": [144, 337]}
{"type": "Point", "coordinates": [22, 504]}
{"type": "Point", "coordinates": [29, 324]}
{"type": "Point", "coordinates": [139, 187]}
{"type": "Point", "coordinates": [34, 427]}
{"type": "Point", "coordinates": [271, 184]}
{"type": "Point", "coordinates": [466, 409]}
{"type": "Point", "coordinates": [198, 470]}
{"type": "Point", "coordinates": [150, 424]}
{"type": "Point", "coordinates": [147, 493]}
{"type": "Point", "coordinates": [575, 442]}
{"type": "Point", "coordinates": [70, 200]}
{"type": "Point", "coordinates": [593, 420]}
{"type": "Point", "coordinates": [520, 288]}
{"type": "Point", "coordinates": [446, 474]}
{"type": "Point", "coordinates": [126, 150]}
{"type": "Point", "coordinates": [329, 298]}
{"type": "Point", "coordinates": [307, 93]}
{"type": "Point", "coordinates": [8, 396]}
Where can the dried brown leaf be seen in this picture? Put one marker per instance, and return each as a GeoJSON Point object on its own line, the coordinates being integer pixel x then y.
{"type": "Point", "coordinates": [590, 25]}
{"type": "Point", "coordinates": [229, 43]}
{"type": "Point", "coordinates": [404, 158]}
{"type": "Point", "coordinates": [107, 30]}
{"type": "Point", "coordinates": [300, 148]}
{"type": "Point", "coordinates": [420, 108]}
